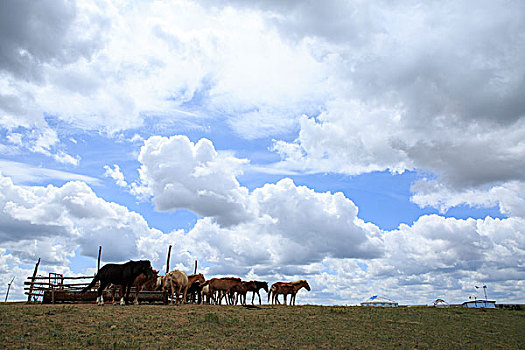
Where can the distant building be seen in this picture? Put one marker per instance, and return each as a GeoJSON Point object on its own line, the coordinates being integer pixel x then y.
{"type": "Point", "coordinates": [378, 301]}
{"type": "Point", "coordinates": [480, 303]}
{"type": "Point", "coordinates": [439, 303]}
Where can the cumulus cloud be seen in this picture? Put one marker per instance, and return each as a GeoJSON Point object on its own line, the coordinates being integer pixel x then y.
{"type": "Point", "coordinates": [37, 36]}
{"type": "Point", "coordinates": [292, 232]}
{"type": "Point", "coordinates": [300, 224]}
{"type": "Point", "coordinates": [177, 173]}
{"type": "Point", "coordinates": [115, 174]}
{"type": "Point", "coordinates": [434, 87]}
{"type": "Point", "coordinates": [71, 216]}
{"type": "Point", "coordinates": [447, 256]}
{"type": "Point", "coordinates": [53, 223]}
{"type": "Point", "coordinates": [508, 196]}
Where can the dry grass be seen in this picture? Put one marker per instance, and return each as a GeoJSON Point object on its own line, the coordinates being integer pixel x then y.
{"type": "Point", "coordinates": [209, 327]}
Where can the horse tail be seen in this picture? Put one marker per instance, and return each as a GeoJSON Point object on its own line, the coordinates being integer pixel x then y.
{"type": "Point", "coordinates": [91, 284]}
{"type": "Point", "coordinates": [269, 294]}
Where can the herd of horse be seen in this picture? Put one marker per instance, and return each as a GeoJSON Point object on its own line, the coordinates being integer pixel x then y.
{"type": "Point", "coordinates": [186, 288]}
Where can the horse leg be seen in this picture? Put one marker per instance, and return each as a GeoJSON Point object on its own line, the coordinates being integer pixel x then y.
{"type": "Point", "coordinates": [128, 289]}
{"type": "Point", "coordinates": [172, 291]}
{"type": "Point", "coordinates": [121, 292]}
{"type": "Point", "coordinates": [113, 291]}
{"type": "Point", "coordinates": [177, 291]}
{"type": "Point", "coordinates": [136, 301]}
{"type": "Point", "coordinates": [259, 298]}
{"type": "Point", "coordinates": [100, 296]}
{"type": "Point", "coordinates": [184, 295]}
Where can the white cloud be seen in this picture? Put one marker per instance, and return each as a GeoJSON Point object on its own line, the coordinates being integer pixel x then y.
{"type": "Point", "coordinates": [23, 173]}
{"type": "Point", "coordinates": [369, 87]}
{"type": "Point", "coordinates": [115, 174]}
{"type": "Point", "coordinates": [177, 173]}
{"type": "Point", "coordinates": [446, 256]}
{"type": "Point", "coordinates": [292, 232]}
{"type": "Point", "coordinates": [508, 196]}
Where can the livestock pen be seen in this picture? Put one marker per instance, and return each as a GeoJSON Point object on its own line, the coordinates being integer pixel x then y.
{"type": "Point", "coordinates": [57, 288]}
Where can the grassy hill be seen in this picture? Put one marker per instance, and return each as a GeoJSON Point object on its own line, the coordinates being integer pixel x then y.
{"type": "Point", "coordinates": [209, 326]}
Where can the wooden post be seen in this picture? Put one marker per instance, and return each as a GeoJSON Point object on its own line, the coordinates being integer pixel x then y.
{"type": "Point", "coordinates": [8, 287]}
{"type": "Point", "coordinates": [99, 253]}
{"type": "Point", "coordinates": [195, 272]}
{"type": "Point", "coordinates": [168, 262]}
{"type": "Point", "coordinates": [33, 281]}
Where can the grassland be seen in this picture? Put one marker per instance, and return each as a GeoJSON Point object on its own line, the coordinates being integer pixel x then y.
{"type": "Point", "coordinates": [88, 326]}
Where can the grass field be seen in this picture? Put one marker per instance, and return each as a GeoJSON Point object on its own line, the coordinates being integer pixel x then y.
{"type": "Point", "coordinates": [88, 326]}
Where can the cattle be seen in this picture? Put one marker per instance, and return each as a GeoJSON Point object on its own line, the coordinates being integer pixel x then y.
{"type": "Point", "coordinates": [119, 274]}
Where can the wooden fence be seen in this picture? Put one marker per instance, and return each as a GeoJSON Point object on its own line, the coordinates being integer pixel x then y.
{"type": "Point", "coordinates": [57, 288]}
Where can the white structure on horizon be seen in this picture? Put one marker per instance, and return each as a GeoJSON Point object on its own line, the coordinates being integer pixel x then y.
{"type": "Point", "coordinates": [480, 303]}
{"type": "Point", "coordinates": [378, 301]}
{"type": "Point", "coordinates": [439, 303]}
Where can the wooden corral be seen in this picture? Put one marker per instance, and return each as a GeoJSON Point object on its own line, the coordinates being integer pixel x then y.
{"type": "Point", "coordinates": [57, 288]}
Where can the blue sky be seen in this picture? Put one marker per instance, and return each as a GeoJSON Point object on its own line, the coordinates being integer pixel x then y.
{"type": "Point", "coordinates": [374, 148]}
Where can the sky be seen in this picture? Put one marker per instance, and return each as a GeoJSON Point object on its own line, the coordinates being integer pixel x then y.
{"type": "Point", "coordinates": [369, 147]}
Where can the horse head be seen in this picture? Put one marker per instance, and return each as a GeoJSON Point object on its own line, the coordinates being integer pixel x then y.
{"type": "Point", "coordinates": [265, 286]}
{"type": "Point", "coordinates": [305, 285]}
{"type": "Point", "coordinates": [145, 268]}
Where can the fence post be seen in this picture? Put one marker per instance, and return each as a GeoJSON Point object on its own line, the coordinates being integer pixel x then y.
{"type": "Point", "coordinates": [8, 287]}
{"type": "Point", "coordinates": [99, 253]}
{"type": "Point", "coordinates": [33, 282]}
{"type": "Point", "coordinates": [168, 262]}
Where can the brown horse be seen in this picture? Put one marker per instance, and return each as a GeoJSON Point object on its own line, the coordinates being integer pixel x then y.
{"type": "Point", "coordinates": [286, 288]}
{"type": "Point", "coordinates": [222, 286]}
{"type": "Point", "coordinates": [238, 293]}
{"type": "Point", "coordinates": [195, 283]}
{"type": "Point", "coordinates": [255, 286]}
{"type": "Point", "coordinates": [142, 282]}
{"type": "Point", "coordinates": [206, 297]}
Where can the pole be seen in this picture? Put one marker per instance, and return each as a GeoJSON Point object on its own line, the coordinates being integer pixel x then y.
{"type": "Point", "coordinates": [8, 287]}
{"type": "Point", "coordinates": [195, 272]}
{"type": "Point", "coordinates": [33, 282]}
{"type": "Point", "coordinates": [168, 261]}
{"type": "Point", "coordinates": [99, 254]}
